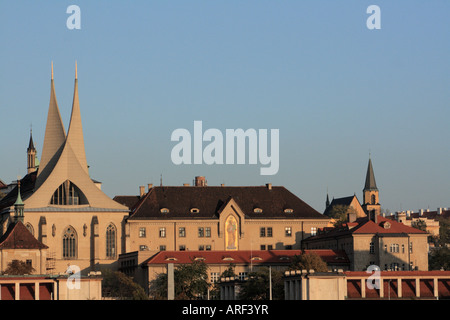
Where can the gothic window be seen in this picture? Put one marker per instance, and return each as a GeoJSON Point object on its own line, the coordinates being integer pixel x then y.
{"type": "Point", "coordinates": [111, 241]}
{"type": "Point", "coordinates": [69, 243]}
{"type": "Point", "coordinates": [374, 199]}
{"type": "Point", "coordinates": [68, 194]}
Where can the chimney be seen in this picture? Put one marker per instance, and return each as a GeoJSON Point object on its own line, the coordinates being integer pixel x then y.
{"type": "Point", "coordinates": [269, 186]}
{"type": "Point", "coordinates": [420, 212]}
{"type": "Point", "coordinates": [141, 191]}
{"type": "Point", "coordinates": [186, 185]}
{"type": "Point", "coordinates": [439, 210]}
{"type": "Point", "coordinates": [222, 185]}
{"type": "Point", "coordinates": [200, 181]}
{"type": "Point", "coordinates": [150, 185]}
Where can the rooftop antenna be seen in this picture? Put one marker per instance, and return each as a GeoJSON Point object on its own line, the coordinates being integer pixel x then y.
{"type": "Point", "coordinates": [160, 181]}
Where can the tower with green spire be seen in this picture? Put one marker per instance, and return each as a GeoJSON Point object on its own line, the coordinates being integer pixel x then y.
{"type": "Point", "coordinates": [18, 205]}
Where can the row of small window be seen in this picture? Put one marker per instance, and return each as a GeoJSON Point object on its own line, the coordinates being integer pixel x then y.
{"type": "Point", "coordinates": [268, 232]}
{"type": "Point", "coordinates": [393, 248]}
{"type": "Point", "coordinates": [207, 247]}
{"type": "Point", "coordinates": [395, 266]}
{"type": "Point", "coordinates": [215, 276]}
{"type": "Point", "coordinates": [206, 232]}
{"type": "Point", "coordinates": [203, 232]}
{"type": "Point", "coordinates": [182, 247]}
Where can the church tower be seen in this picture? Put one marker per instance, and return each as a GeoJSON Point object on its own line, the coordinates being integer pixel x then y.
{"type": "Point", "coordinates": [371, 201]}
{"type": "Point", "coordinates": [31, 155]}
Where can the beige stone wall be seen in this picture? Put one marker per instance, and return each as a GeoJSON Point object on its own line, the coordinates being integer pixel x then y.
{"type": "Point", "coordinates": [37, 257]}
{"type": "Point", "coordinates": [248, 236]}
{"type": "Point", "coordinates": [90, 245]}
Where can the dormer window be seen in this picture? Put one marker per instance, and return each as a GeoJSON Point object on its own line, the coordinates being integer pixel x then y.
{"type": "Point", "coordinates": [165, 210]}
{"type": "Point", "coordinates": [288, 210]}
{"type": "Point", "coordinates": [195, 210]}
{"type": "Point", "coordinates": [227, 259]}
{"type": "Point", "coordinates": [199, 259]}
{"type": "Point", "coordinates": [171, 259]}
{"type": "Point", "coordinates": [257, 210]}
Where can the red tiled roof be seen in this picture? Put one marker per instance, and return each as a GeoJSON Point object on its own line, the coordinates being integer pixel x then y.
{"type": "Point", "coordinates": [17, 236]}
{"type": "Point", "coordinates": [388, 274]}
{"type": "Point", "coordinates": [384, 226]}
{"type": "Point", "coordinates": [243, 256]}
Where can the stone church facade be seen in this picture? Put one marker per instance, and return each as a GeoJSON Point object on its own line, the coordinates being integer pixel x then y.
{"type": "Point", "coordinates": [63, 207]}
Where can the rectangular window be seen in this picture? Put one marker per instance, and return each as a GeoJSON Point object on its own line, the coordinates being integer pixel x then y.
{"type": "Point", "coordinates": [182, 232]}
{"type": "Point", "coordinates": [201, 232]}
{"type": "Point", "coordinates": [162, 247]}
{"type": "Point", "coordinates": [269, 247]}
{"type": "Point", "coordinates": [288, 231]}
{"type": "Point", "coordinates": [262, 232]}
{"type": "Point", "coordinates": [215, 277]}
{"type": "Point", "coordinates": [142, 232]}
{"type": "Point", "coordinates": [201, 247]}
{"type": "Point", "coordinates": [410, 247]}
{"type": "Point", "coordinates": [403, 250]}
{"type": "Point", "coordinates": [288, 247]}
{"type": "Point", "coordinates": [208, 232]}
{"type": "Point", "coordinates": [263, 247]}
{"type": "Point", "coordinates": [143, 247]}
{"type": "Point", "coordinates": [208, 247]}
{"type": "Point", "coordinates": [313, 231]}
{"type": "Point", "coordinates": [372, 248]}
{"type": "Point", "coordinates": [242, 275]}
{"type": "Point", "coordinates": [182, 247]}
{"type": "Point", "coordinates": [269, 232]}
{"type": "Point", "coordinates": [162, 232]}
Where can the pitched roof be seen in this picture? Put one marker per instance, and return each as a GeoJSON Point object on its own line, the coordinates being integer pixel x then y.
{"type": "Point", "coordinates": [26, 189]}
{"type": "Point", "coordinates": [383, 227]}
{"type": "Point", "coordinates": [283, 257]}
{"type": "Point", "coordinates": [209, 200]}
{"type": "Point", "coordinates": [17, 236]}
{"type": "Point", "coordinates": [345, 201]}
{"type": "Point", "coordinates": [370, 178]}
{"type": "Point", "coordinates": [128, 201]}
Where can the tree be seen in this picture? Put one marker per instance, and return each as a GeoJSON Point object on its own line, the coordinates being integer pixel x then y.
{"type": "Point", "coordinates": [340, 213]}
{"type": "Point", "coordinates": [257, 287]}
{"type": "Point", "coordinates": [444, 231]}
{"type": "Point", "coordinates": [191, 282]}
{"type": "Point", "coordinates": [419, 224]}
{"type": "Point", "coordinates": [17, 267]}
{"type": "Point", "coordinates": [308, 261]}
{"type": "Point", "coordinates": [440, 259]}
{"type": "Point", "coordinates": [117, 285]}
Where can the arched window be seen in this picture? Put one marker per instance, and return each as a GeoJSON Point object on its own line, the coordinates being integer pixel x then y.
{"type": "Point", "coordinates": [111, 241]}
{"type": "Point", "coordinates": [69, 243]}
{"type": "Point", "coordinates": [68, 194]}
{"type": "Point", "coordinates": [374, 199]}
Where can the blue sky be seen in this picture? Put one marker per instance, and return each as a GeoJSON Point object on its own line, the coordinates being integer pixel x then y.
{"type": "Point", "coordinates": [312, 69]}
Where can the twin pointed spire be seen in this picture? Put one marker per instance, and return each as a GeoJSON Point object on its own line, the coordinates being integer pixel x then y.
{"type": "Point", "coordinates": [55, 135]}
